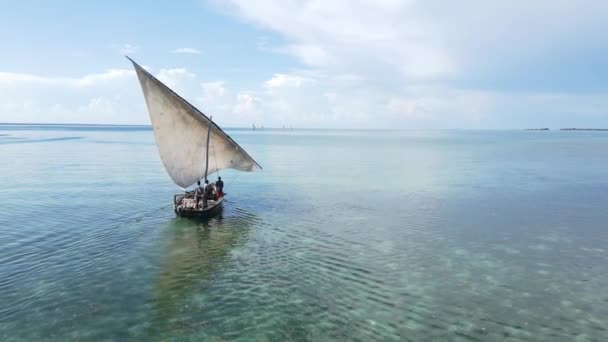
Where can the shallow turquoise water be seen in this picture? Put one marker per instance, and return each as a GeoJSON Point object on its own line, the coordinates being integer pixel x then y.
{"type": "Point", "coordinates": [345, 235]}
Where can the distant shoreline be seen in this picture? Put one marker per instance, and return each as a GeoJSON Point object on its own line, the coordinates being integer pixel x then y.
{"type": "Point", "coordinates": [68, 124]}
{"type": "Point", "coordinates": [567, 129]}
{"type": "Point", "coordinates": [583, 129]}
{"type": "Point", "coordinates": [133, 126]}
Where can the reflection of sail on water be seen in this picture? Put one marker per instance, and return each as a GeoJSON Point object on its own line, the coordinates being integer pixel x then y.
{"type": "Point", "coordinates": [181, 135]}
{"type": "Point", "coordinates": [194, 253]}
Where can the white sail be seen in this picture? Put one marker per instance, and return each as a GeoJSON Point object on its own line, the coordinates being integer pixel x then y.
{"type": "Point", "coordinates": [181, 132]}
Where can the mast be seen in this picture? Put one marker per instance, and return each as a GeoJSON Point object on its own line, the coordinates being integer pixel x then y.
{"type": "Point", "coordinates": [207, 153]}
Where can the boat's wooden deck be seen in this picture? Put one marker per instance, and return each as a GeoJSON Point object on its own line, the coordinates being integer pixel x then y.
{"type": "Point", "coordinates": [191, 203]}
{"type": "Point", "coordinates": [212, 203]}
{"type": "Point", "coordinates": [189, 207]}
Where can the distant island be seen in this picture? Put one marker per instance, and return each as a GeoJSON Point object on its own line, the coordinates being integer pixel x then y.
{"type": "Point", "coordinates": [567, 129]}
{"type": "Point", "coordinates": [584, 129]}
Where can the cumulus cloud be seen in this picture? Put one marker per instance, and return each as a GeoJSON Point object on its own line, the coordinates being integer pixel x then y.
{"type": "Point", "coordinates": [298, 99]}
{"type": "Point", "coordinates": [377, 64]}
{"type": "Point", "coordinates": [215, 89]}
{"type": "Point", "coordinates": [172, 76]}
{"type": "Point", "coordinates": [246, 104]}
{"type": "Point", "coordinates": [187, 50]}
{"type": "Point", "coordinates": [345, 35]}
{"type": "Point", "coordinates": [432, 63]}
{"type": "Point", "coordinates": [476, 42]}
{"type": "Point", "coordinates": [112, 96]}
{"type": "Point", "coordinates": [285, 80]}
{"type": "Point", "coordinates": [9, 78]}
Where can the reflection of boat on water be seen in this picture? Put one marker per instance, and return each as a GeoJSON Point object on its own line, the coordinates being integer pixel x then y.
{"type": "Point", "coordinates": [191, 146]}
{"type": "Point", "coordinates": [195, 254]}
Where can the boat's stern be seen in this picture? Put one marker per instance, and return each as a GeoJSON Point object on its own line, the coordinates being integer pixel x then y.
{"type": "Point", "coordinates": [190, 206]}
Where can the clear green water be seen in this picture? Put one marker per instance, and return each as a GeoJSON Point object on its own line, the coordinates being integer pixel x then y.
{"type": "Point", "coordinates": [345, 235]}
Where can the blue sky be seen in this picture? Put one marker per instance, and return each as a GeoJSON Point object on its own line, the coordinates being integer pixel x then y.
{"type": "Point", "coordinates": [376, 64]}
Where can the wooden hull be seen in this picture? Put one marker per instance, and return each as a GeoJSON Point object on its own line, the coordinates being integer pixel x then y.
{"type": "Point", "coordinates": [213, 208]}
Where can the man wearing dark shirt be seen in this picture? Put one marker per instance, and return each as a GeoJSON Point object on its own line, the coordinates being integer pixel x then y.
{"type": "Point", "coordinates": [219, 187]}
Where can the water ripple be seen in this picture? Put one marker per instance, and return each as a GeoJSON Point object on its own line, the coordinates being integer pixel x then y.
{"type": "Point", "coordinates": [18, 140]}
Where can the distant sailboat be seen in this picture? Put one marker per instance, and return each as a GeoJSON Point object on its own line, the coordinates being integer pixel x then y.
{"type": "Point", "coordinates": [253, 127]}
{"type": "Point", "coordinates": [191, 146]}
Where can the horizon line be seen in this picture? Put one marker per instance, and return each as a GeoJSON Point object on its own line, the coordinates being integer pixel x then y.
{"type": "Point", "coordinates": [305, 128]}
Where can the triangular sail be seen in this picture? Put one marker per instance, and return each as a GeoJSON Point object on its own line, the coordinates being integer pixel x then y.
{"type": "Point", "coordinates": [181, 132]}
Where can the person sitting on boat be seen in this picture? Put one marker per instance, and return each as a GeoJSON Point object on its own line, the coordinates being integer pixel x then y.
{"type": "Point", "coordinates": [219, 188]}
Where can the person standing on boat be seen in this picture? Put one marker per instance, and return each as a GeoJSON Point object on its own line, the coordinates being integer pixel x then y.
{"type": "Point", "coordinates": [219, 187]}
{"type": "Point", "coordinates": [198, 192]}
{"type": "Point", "coordinates": [204, 190]}
{"type": "Point", "coordinates": [209, 191]}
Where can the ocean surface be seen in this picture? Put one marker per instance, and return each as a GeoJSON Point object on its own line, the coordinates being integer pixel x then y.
{"type": "Point", "coordinates": [344, 235]}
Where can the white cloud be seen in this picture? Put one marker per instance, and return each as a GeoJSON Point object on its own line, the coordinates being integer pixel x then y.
{"type": "Point", "coordinates": [418, 40]}
{"type": "Point", "coordinates": [10, 78]}
{"type": "Point", "coordinates": [322, 100]}
{"type": "Point", "coordinates": [109, 75]}
{"type": "Point", "coordinates": [364, 58]}
{"type": "Point", "coordinates": [187, 50]}
{"type": "Point", "coordinates": [113, 96]}
{"type": "Point", "coordinates": [214, 89]}
{"type": "Point", "coordinates": [246, 104]}
{"type": "Point", "coordinates": [310, 54]}
{"type": "Point", "coordinates": [419, 63]}
{"type": "Point", "coordinates": [13, 78]}
{"type": "Point", "coordinates": [128, 49]}
{"type": "Point", "coordinates": [285, 80]}
{"type": "Point", "coordinates": [171, 77]}
{"type": "Point", "coordinates": [214, 99]}
{"type": "Point", "coordinates": [99, 105]}
{"type": "Point", "coordinates": [370, 63]}
{"type": "Point", "coordinates": [344, 35]}
{"type": "Point", "coordinates": [375, 64]}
